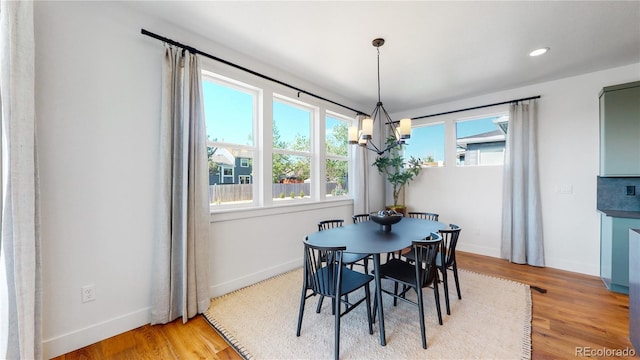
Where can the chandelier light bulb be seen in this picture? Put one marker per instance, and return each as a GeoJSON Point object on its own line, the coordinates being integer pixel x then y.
{"type": "Point", "coordinates": [405, 128]}
{"type": "Point", "coordinates": [367, 128]}
{"type": "Point", "coordinates": [353, 134]}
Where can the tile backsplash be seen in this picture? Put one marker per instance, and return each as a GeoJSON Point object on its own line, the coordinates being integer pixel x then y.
{"type": "Point", "coordinates": [612, 193]}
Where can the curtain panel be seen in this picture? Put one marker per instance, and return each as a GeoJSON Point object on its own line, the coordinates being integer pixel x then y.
{"type": "Point", "coordinates": [180, 283]}
{"type": "Point", "coordinates": [20, 269]}
{"type": "Point", "coordinates": [360, 189]}
{"type": "Point", "coordinates": [522, 240]}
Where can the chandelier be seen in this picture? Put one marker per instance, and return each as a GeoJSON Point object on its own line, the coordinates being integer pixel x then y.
{"type": "Point", "coordinates": [399, 131]}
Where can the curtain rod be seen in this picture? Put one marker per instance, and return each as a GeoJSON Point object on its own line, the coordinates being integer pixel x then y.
{"type": "Point", "coordinates": [196, 51]}
{"type": "Point", "coordinates": [477, 107]}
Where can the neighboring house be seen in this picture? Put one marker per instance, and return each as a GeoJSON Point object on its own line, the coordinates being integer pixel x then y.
{"type": "Point", "coordinates": [229, 169]}
{"type": "Point", "coordinates": [485, 148]}
{"type": "Point", "coordinates": [481, 149]}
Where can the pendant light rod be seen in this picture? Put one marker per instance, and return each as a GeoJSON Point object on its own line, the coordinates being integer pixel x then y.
{"type": "Point", "coordinates": [377, 43]}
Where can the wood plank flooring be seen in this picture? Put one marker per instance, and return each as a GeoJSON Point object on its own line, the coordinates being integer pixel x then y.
{"type": "Point", "coordinates": [576, 312]}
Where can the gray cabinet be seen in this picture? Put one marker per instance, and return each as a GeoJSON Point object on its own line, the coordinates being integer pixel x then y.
{"type": "Point", "coordinates": [614, 251]}
{"type": "Point", "coordinates": [620, 130]}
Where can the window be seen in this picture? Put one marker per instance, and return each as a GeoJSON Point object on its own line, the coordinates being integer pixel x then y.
{"type": "Point", "coordinates": [337, 160]}
{"type": "Point", "coordinates": [291, 160]}
{"type": "Point", "coordinates": [226, 175]}
{"type": "Point", "coordinates": [427, 144]}
{"type": "Point", "coordinates": [231, 112]}
{"type": "Point", "coordinates": [481, 141]}
{"type": "Point", "coordinates": [270, 159]}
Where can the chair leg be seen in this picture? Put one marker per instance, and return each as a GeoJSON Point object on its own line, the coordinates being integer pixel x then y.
{"type": "Point", "coordinates": [367, 295]}
{"type": "Point", "coordinates": [395, 292]}
{"type": "Point", "coordinates": [436, 295]}
{"type": "Point", "coordinates": [375, 309]}
{"type": "Point", "coordinates": [336, 348]}
{"type": "Point", "coordinates": [421, 317]}
{"type": "Point", "coordinates": [303, 298]}
{"type": "Point", "coordinates": [445, 281]}
{"type": "Point", "coordinates": [319, 306]}
{"type": "Point", "coordinates": [455, 276]}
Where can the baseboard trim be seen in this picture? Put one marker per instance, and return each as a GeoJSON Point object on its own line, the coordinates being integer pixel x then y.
{"type": "Point", "coordinates": [250, 279]}
{"type": "Point", "coordinates": [480, 250]}
{"type": "Point", "coordinates": [80, 338]}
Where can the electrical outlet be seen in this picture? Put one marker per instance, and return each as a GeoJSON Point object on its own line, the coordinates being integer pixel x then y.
{"type": "Point", "coordinates": [88, 293]}
{"type": "Point", "coordinates": [631, 190]}
{"type": "Point", "coordinates": [566, 189]}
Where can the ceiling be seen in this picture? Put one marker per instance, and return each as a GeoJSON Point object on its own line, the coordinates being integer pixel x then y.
{"type": "Point", "coordinates": [435, 51]}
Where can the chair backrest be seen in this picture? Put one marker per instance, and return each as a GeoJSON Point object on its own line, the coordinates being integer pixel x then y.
{"type": "Point", "coordinates": [425, 258]}
{"type": "Point", "coordinates": [360, 218]}
{"type": "Point", "coordinates": [323, 268]}
{"type": "Point", "coordinates": [423, 215]}
{"type": "Point", "coordinates": [330, 224]}
{"type": "Point", "coordinates": [449, 242]}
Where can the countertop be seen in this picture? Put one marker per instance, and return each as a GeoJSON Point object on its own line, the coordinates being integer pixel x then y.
{"type": "Point", "coordinates": [621, 214]}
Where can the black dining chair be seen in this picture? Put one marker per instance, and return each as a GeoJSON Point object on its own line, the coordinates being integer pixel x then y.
{"type": "Point", "coordinates": [326, 275]}
{"type": "Point", "coordinates": [415, 275]}
{"type": "Point", "coordinates": [330, 224]}
{"type": "Point", "coordinates": [423, 215]}
{"type": "Point", "coordinates": [446, 259]}
{"type": "Point", "coordinates": [358, 218]}
{"type": "Point", "coordinates": [414, 215]}
{"type": "Point", "coordinates": [349, 259]}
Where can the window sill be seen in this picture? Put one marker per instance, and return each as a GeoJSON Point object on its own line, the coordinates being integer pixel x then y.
{"type": "Point", "coordinates": [251, 212]}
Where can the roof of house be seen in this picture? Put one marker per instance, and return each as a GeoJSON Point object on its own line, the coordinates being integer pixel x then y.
{"type": "Point", "coordinates": [491, 136]}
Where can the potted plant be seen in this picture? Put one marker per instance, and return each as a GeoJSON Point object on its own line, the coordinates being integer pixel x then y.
{"type": "Point", "coordinates": [398, 172]}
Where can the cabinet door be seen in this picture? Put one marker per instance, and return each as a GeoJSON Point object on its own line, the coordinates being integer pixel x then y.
{"type": "Point", "coordinates": [620, 131]}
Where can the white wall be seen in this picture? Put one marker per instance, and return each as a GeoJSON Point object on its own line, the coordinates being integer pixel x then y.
{"type": "Point", "coordinates": [97, 106]}
{"type": "Point", "coordinates": [568, 147]}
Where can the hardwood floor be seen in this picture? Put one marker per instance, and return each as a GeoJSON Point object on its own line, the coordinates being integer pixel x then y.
{"type": "Point", "coordinates": [577, 313]}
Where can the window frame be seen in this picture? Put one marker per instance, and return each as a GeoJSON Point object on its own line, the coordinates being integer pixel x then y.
{"type": "Point", "coordinates": [328, 156]}
{"type": "Point", "coordinates": [450, 141]}
{"type": "Point", "coordinates": [253, 150]}
{"type": "Point", "coordinates": [263, 150]}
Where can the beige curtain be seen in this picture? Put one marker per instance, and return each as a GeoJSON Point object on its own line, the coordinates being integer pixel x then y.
{"type": "Point", "coordinates": [522, 240]}
{"type": "Point", "coordinates": [20, 277]}
{"type": "Point", "coordinates": [360, 176]}
{"type": "Point", "coordinates": [180, 284]}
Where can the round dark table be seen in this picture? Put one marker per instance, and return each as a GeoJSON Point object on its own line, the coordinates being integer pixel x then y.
{"type": "Point", "coordinates": [368, 238]}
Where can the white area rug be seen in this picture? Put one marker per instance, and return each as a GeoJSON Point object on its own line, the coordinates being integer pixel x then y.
{"type": "Point", "coordinates": [492, 321]}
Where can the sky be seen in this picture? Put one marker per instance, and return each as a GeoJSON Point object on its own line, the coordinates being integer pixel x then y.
{"type": "Point", "coordinates": [237, 120]}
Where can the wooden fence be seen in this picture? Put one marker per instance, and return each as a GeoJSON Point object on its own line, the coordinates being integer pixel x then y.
{"type": "Point", "coordinates": [223, 193]}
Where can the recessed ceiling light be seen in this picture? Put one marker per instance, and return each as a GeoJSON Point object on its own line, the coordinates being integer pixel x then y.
{"type": "Point", "coordinates": [538, 52]}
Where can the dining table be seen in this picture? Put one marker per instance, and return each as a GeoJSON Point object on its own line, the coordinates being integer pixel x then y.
{"type": "Point", "coordinates": [367, 237]}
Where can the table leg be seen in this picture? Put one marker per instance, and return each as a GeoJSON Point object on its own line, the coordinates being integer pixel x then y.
{"type": "Point", "coordinates": [376, 269]}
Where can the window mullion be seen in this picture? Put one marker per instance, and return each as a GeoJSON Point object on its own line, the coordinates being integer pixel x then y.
{"type": "Point", "coordinates": [319, 152]}
{"type": "Point", "coordinates": [265, 129]}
